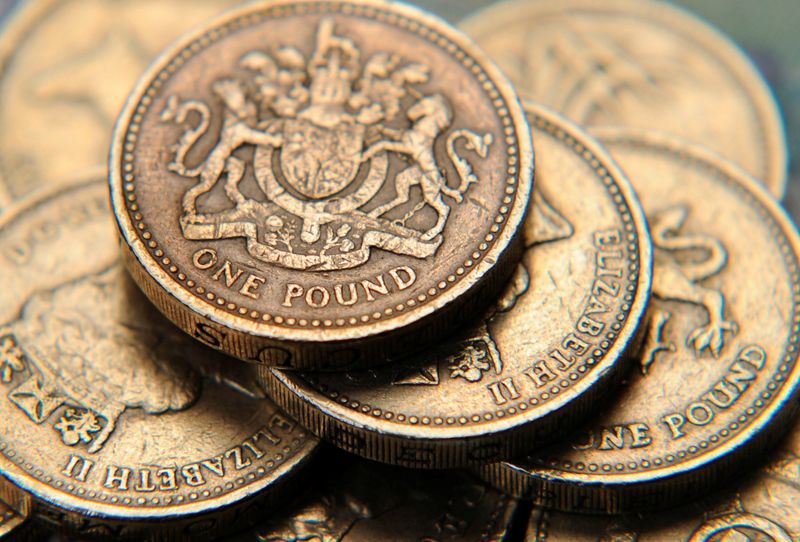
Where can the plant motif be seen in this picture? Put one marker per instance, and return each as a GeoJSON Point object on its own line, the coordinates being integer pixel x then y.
{"type": "Point", "coordinates": [310, 119]}
{"type": "Point", "coordinates": [338, 239]}
{"type": "Point", "coordinates": [470, 364]}
{"type": "Point", "coordinates": [12, 359]}
{"type": "Point", "coordinates": [77, 426]}
{"type": "Point", "coordinates": [279, 231]}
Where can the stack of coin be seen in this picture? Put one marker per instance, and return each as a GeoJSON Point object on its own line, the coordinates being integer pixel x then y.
{"type": "Point", "coordinates": [378, 278]}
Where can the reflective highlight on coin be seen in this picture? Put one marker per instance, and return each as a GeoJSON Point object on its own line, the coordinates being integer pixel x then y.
{"type": "Point", "coordinates": [113, 420]}
{"type": "Point", "coordinates": [271, 204]}
{"type": "Point", "coordinates": [766, 506]}
{"type": "Point", "coordinates": [641, 64]}
{"type": "Point", "coordinates": [554, 342]}
{"type": "Point", "coordinates": [718, 373]}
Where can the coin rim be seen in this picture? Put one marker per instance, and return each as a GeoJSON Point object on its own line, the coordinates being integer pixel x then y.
{"type": "Point", "coordinates": [679, 20]}
{"type": "Point", "coordinates": [13, 30]}
{"type": "Point", "coordinates": [19, 21]}
{"type": "Point", "coordinates": [703, 469]}
{"type": "Point", "coordinates": [462, 290]}
{"type": "Point", "coordinates": [326, 414]}
{"type": "Point", "coordinates": [39, 490]}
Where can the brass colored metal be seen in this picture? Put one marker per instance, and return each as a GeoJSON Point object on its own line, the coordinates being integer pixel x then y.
{"type": "Point", "coordinates": [10, 520]}
{"type": "Point", "coordinates": [762, 506]}
{"type": "Point", "coordinates": [321, 184]}
{"type": "Point", "coordinates": [642, 64]}
{"type": "Point", "coordinates": [718, 373]}
{"type": "Point", "coordinates": [15, 509]}
{"type": "Point", "coordinates": [357, 501]}
{"type": "Point", "coordinates": [538, 361]}
{"type": "Point", "coordinates": [65, 69]}
{"type": "Point", "coordinates": [115, 422]}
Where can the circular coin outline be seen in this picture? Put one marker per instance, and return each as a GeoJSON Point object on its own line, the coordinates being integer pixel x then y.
{"type": "Point", "coordinates": [656, 488]}
{"type": "Point", "coordinates": [773, 140]}
{"type": "Point", "coordinates": [357, 429]}
{"type": "Point", "coordinates": [74, 511]}
{"type": "Point", "coordinates": [325, 348]}
{"type": "Point", "coordinates": [18, 22]}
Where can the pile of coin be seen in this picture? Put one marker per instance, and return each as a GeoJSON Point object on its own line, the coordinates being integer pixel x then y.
{"type": "Point", "coordinates": [377, 278]}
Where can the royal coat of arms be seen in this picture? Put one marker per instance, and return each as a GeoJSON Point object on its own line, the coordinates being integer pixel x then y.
{"type": "Point", "coordinates": [323, 130]}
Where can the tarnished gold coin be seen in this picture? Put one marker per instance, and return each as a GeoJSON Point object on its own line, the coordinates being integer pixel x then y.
{"type": "Point", "coordinates": [718, 373]}
{"type": "Point", "coordinates": [538, 360]}
{"type": "Point", "coordinates": [642, 64]}
{"type": "Point", "coordinates": [763, 507]}
{"type": "Point", "coordinates": [322, 184]}
{"type": "Point", "coordinates": [114, 421]}
{"type": "Point", "coordinates": [65, 69]}
{"type": "Point", "coordinates": [355, 501]}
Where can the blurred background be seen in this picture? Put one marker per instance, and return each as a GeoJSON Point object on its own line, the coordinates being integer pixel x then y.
{"type": "Point", "coordinates": [766, 29]}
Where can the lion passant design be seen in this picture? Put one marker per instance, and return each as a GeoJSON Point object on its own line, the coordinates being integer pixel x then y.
{"type": "Point", "coordinates": [323, 130]}
{"type": "Point", "coordinates": [680, 280]}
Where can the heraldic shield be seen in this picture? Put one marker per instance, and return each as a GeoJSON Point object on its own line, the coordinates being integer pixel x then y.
{"type": "Point", "coordinates": [331, 167]}
{"type": "Point", "coordinates": [309, 121]}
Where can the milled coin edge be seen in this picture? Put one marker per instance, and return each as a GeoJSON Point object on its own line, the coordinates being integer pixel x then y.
{"type": "Point", "coordinates": [454, 446]}
{"type": "Point", "coordinates": [21, 485]}
{"type": "Point", "coordinates": [615, 493]}
{"type": "Point", "coordinates": [455, 295]}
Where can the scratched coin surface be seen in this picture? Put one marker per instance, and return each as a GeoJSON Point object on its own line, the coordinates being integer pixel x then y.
{"type": "Point", "coordinates": [718, 374]}
{"type": "Point", "coordinates": [763, 506]}
{"type": "Point", "coordinates": [322, 184]}
{"type": "Point", "coordinates": [553, 343]}
{"type": "Point", "coordinates": [112, 418]}
{"type": "Point", "coordinates": [359, 501]}
{"type": "Point", "coordinates": [642, 64]}
{"type": "Point", "coordinates": [65, 69]}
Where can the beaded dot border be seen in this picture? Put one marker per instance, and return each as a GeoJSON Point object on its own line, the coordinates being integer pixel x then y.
{"type": "Point", "coordinates": [564, 384]}
{"type": "Point", "coordinates": [260, 471]}
{"type": "Point", "coordinates": [215, 34]}
{"type": "Point", "coordinates": [788, 360]}
{"type": "Point", "coordinates": [242, 480]}
{"type": "Point", "coordinates": [94, 200]}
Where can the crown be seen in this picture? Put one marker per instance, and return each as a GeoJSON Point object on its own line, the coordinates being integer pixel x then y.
{"type": "Point", "coordinates": [333, 67]}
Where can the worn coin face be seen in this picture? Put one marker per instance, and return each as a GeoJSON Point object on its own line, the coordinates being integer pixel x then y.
{"type": "Point", "coordinates": [317, 183]}
{"type": "Point", "coordinates": [552, 344]}
{"type": "Point", "coordinates": [65, 69]}
{"type": "Point", "coordinates": [52, 55]}
{"type": "Point", "coordinates": [112, 419]}
{"type": "Point", "coordinates": [718, 372]}
{"type": "Point", "coordinates": [641, 64]}
{"type": "Point", "coordinates": [765, 507]}
{"type": "Point", "coordinates": [358, 501]}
